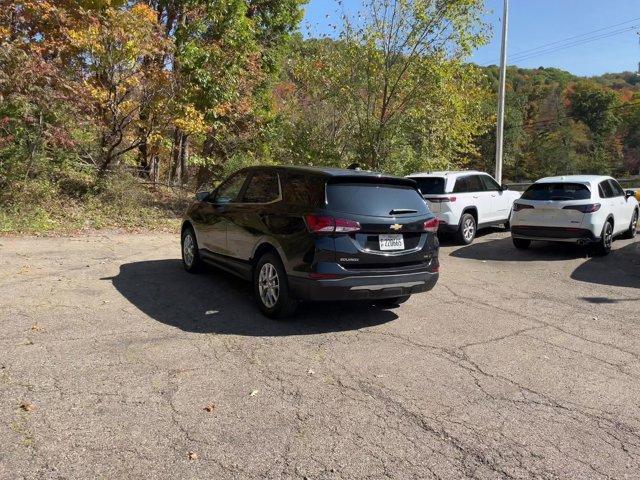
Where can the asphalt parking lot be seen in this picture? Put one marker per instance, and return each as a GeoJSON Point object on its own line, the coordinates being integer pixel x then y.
{"type": "Point", "coordinates": [518, 365]}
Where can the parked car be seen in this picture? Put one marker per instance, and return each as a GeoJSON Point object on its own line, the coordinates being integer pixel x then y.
{"type": "Point", "coordinates": [315, 234]}
{"type": "Point", "coordinates": [466, 201]}
{"type": "Point", "coordinates": [583, 209]}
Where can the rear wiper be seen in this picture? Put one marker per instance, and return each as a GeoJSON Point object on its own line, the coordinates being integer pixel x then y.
{"type": "Point", "coordinates": [401, 211]}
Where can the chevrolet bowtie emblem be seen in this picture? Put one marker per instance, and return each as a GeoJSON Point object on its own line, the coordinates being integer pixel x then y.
{"type": "Point", "coordinates": [395, 226]}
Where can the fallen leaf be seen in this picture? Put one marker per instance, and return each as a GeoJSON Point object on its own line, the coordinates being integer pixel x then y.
{"type": "Point", "coordinates": [192, 455]}
{"type": "Point", "coordinates": [36, 328]}
{"type": "Point", "coordinates": [209, 408]}
{"type": "Point", "coordinates": [311, 371]}
{"type": "Point", "coordinates": [27, 407]}
{"type": "Point", "coordinates": [254, 393]}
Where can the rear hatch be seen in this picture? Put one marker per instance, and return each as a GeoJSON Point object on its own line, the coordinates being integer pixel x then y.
{"type": "Point", "coordinates": [391, 214]}
{"type": "Point", "coordinates": [554, 205]}
{"type": "Point", "coordinates": [433, 191]}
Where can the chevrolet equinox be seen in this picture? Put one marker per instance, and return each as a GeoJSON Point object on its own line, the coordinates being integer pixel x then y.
{"type": "Point", "coordinates": [303, 233]}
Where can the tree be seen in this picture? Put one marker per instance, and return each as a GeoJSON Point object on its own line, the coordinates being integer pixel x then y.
{"type": "Point", "coordinates": [393, 90]}
{"type": "Point", "coordinates": [112, 52]}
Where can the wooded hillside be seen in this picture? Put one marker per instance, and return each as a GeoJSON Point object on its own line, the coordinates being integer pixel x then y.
{"type": "Point", "coordinates": [99, 99]}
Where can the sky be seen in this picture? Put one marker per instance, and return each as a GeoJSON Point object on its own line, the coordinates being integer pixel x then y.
{"type": "Point", "coordinates": [533, 23]}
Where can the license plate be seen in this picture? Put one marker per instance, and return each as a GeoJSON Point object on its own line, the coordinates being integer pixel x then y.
{"type": "Point", "coordinates": [391, 242]}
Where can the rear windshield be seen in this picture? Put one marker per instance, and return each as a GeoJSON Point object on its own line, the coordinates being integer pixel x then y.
{"type": "Point", "coordinates": [430, 185]}
{"type": "Point", "coordinates": [557, 191]}
{"type": "Point", "coordinates": [375, 200]}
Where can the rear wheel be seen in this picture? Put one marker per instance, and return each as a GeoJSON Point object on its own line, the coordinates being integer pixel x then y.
{"type": "Point", "coordinates": [631, 233]}
{"type": "Point", "coordinates": [191, 260]}
{"type": "Point", "coordinates": [467, 229]}
{"type": "Point", "coordinates": [606, 239]}
{"type": "Point", "coordinates": [271, 288]}
{"type": "Point", "coordinates": [521, 243]}
{"type": "Point", "coordinates": [392, 302]}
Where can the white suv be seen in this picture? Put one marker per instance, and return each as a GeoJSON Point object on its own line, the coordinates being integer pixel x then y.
{"type": "Point", "coordinates": [583, 209]}
{"type": "Point", "coordinates": [466, 201]}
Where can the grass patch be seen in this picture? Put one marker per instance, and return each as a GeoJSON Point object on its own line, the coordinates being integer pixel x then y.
{"type": "Point", "coordinates": [74, 205]}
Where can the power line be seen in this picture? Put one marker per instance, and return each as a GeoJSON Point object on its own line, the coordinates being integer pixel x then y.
{"type": "Point", "coordinates": [516, 54]}
{"type": "Point", "coordinates": [573, 44]}
{"type": "Point", "coordinates": [560, 44]}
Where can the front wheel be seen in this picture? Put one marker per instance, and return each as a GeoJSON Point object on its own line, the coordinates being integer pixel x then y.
{"type": "Point", "coordinates": [191, 260]}
{"type": "Point", "coordinates": [633, 226]}
{"type": "Point", "coordinates": [271, 288]}
{"type": "Point", "coordinates": [521, 243]}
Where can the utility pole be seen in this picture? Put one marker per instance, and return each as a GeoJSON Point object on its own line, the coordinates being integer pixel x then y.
{"type": "Point", "coordinates": [501, 92]}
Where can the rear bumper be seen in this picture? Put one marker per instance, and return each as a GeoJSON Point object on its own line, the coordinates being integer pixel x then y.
{"type": "Point", "coordinates": [555, 234]}
{"type": "Point", "coordinates": [447, 228]}
{"type": "Point", "coordinates": [363, 287]}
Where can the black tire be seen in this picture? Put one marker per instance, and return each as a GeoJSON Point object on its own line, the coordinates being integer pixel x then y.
{"type": "Point", "coordinates": [606, 239]}
{"type": "Point", "coordinates": [391, 302]}
{"type": "Point", "coordinates": [521, 243]}
{"type": "Point", "coordinates": [467, 229]}
{"type": "Point", "coordinates": [191, 263]}
{"type": "Point", "coordinates": [633, 226]}
{"type": "Point", "coordinates": [274, 288]}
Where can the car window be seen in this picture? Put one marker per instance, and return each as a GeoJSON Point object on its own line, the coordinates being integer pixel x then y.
{"type": "Point", "coordinates": [263, 187]}
{"type": "Point", "coordinates": [476, 184]}
{"type": "Point", "coordinates": [490, 184]}
{"type": "Point", "coordinates": [462, 185]}
{"type": "Point", "coordinates": [229, 190]}
{"type": "Point", "coordinates": [605, 190]}
{"type": "Point", "coordinates": [303, 190]}
{"type": "Point", "coordinates": [377, 200]}
{"type": "Point", "coordinates": [430, 185]}
{"type": "Point", "coordinates": [616, 188]}
{"type": "Point", "coordinates": [557, 191]}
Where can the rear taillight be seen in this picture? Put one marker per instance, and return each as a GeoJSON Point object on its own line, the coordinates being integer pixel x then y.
{"type": "Point", "coordinates": [431, 225]}
{"type": "Point", "coordinates": [325, 224]}
{"type": "Point", "coordinates": [440, 199]}
{"type": "Point", "coordinates": [346, 226]}
{"type": "Point", "coordinates": [589, 208]}
{"type": "Point", "coordinates": [521, 206]}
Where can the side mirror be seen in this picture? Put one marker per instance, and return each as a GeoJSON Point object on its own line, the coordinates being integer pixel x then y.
{"type": "Point", "coordinates": [629, 193]}
{"type": "Point", "coordinates": [504, 187]}
{"type": "Point", "coordinates": [201, 196]}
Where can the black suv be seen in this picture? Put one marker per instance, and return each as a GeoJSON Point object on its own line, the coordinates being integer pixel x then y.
{"type": "Point", "coordinates": [315, 234]}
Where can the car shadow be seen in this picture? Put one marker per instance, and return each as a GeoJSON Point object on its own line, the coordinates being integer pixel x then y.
{"type": "Point", "coordinates": [621, 268]}
{"type": "Point", "coordinates": [217, 302]}
{"type": "Point", "coordinates": [502, 250]}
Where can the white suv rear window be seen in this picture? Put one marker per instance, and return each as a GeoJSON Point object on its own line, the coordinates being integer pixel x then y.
{"type": "Point", "coordinates": [557, 191]}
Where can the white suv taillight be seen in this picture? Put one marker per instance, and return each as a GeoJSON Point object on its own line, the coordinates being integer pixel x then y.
{"type": "Point", "coordinates": [521, 206]}
{"type": "Point", "coordinates": [441, 199]}
{"type": "Point", "coordinates": [590, 208]}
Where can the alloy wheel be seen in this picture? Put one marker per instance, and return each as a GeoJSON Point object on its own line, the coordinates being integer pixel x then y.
{"type": "Point", "coordinates": [269, 285]}
{"type": "Point", "coordinates": [608, 235]}
{"type": "Point", "coordinates": [188, 250]}
{"type": "Point", "coordinates": [468, 229]}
